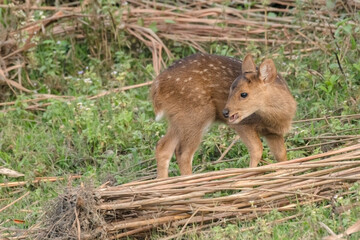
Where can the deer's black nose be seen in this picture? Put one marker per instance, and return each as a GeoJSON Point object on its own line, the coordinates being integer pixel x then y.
{"type": "Point", "coordinates": [226, 113]}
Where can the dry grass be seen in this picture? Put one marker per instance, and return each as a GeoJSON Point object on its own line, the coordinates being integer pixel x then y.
{"type": "Point", "coordinates": [186, 22]}
{"type": "Point", "coordinates": [167, 205]}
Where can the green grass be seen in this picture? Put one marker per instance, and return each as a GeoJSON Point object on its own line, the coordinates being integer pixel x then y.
{"type": "Point", "coordinates": [305, 226]}
{"type": "Point", "coordinates": [110, 138]}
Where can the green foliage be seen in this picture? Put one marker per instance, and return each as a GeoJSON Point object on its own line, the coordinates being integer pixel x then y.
{"type": "Point", "coordinates": [305, 223]}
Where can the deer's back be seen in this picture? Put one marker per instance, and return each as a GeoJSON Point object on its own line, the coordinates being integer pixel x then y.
{"type": "Point", "coordinates": [194, 83]}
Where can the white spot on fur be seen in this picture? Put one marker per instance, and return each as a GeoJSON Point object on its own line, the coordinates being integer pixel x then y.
{"type": "Point", "coordinates": [178, 79]}
{"type": "Point", "coordinates": [159, 116]}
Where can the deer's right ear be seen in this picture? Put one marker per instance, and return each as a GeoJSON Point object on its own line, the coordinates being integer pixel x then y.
{"type": "Point", "coordinates": [248, 65]}
{"type": "Point", "coordinates": [267, 71]}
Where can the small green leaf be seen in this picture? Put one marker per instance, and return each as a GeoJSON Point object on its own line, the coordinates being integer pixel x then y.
{"type": "Point", "coordinates": [49, 41]}
{"type": "Point", "coordinates": [323, 88]}
{"type": "Point", "coordinates": [330, 4]}
{"type": "Point", "coordinates": [330, 88]}
{"type": "Point", "coordinates": [347, 29]}
{"type": "Point", "coordinates": [42, 69]}
{"type": "Point", "coordinates": [140, 22]}
{"type": "Point", "coordinates": [353, 42]}
{"type": "Point", "coordinates": [271, 14]}
{"type": "Point", "coordinates": [153, 27]}
{"type": "Point", "coordinates": [357, 66]}
{"type": "Point", "coordinates": [333, 66]}
{"type": "Point", "coordinates": [333, 79]}
{"type": "Point", "coordinates": [169, 21]}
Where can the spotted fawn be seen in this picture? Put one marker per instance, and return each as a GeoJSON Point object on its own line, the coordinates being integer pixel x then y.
{"type": "Point", "coordinates": [200, 89]}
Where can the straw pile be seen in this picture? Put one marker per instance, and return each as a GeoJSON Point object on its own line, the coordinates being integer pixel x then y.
{"type": "Point", "coordinates": [174, 205]}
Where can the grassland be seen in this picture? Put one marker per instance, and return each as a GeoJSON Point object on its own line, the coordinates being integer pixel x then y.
{"type": "Point", "coordinates": [112, 138]}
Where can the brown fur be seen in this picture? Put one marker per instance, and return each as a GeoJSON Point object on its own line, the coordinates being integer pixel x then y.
{"type": "Point", "coordinates": [194, 92]}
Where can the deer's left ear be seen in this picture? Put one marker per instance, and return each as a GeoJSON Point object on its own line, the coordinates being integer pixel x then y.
{"type": "Point", "coordinates": [267, 71]}
{"type": "Point", "coordinates": [248, 65]}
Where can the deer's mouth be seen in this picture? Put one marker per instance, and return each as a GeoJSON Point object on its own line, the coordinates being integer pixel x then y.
{"type": "Point", "coordinates": [233, 118]}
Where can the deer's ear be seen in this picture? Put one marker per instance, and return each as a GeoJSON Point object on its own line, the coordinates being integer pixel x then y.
{"type": "Point", "coordinates": [248, 65]}
{"type": "Point", "coordinates": [267, 71]}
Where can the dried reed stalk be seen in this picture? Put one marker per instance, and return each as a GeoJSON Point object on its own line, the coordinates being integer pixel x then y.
{"type": "Point", "coordinates": [36, 181]}
{"type": "Point", "coordinates": [13, 202]}
{"type": "Point", "coordinates": [43, 97]}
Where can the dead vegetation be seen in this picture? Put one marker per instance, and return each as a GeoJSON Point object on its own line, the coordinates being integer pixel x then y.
{"type": "Point", "coordinates": [72, 212]}
{"type": "Point", "coordinates": [155, 23]}
{"type": "Point", "coordinates": [183, 205]}
{"type": "Point", "coordinates": [171, 206]}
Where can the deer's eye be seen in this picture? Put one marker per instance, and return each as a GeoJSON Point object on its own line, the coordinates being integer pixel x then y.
{"type": "Point", "coordinates": [243, 95]}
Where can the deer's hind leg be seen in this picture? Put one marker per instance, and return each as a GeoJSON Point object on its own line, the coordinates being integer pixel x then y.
{"type": "Point", "coordinates": [185, 151]}
{"type": "Point", "coordinates": [190, 137]}
{"type": "Point", "coordinates": [164, 151]}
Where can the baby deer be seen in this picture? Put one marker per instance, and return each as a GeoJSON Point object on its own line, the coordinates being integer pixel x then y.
{"type": "Point", "coordinates": [200, 89]}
